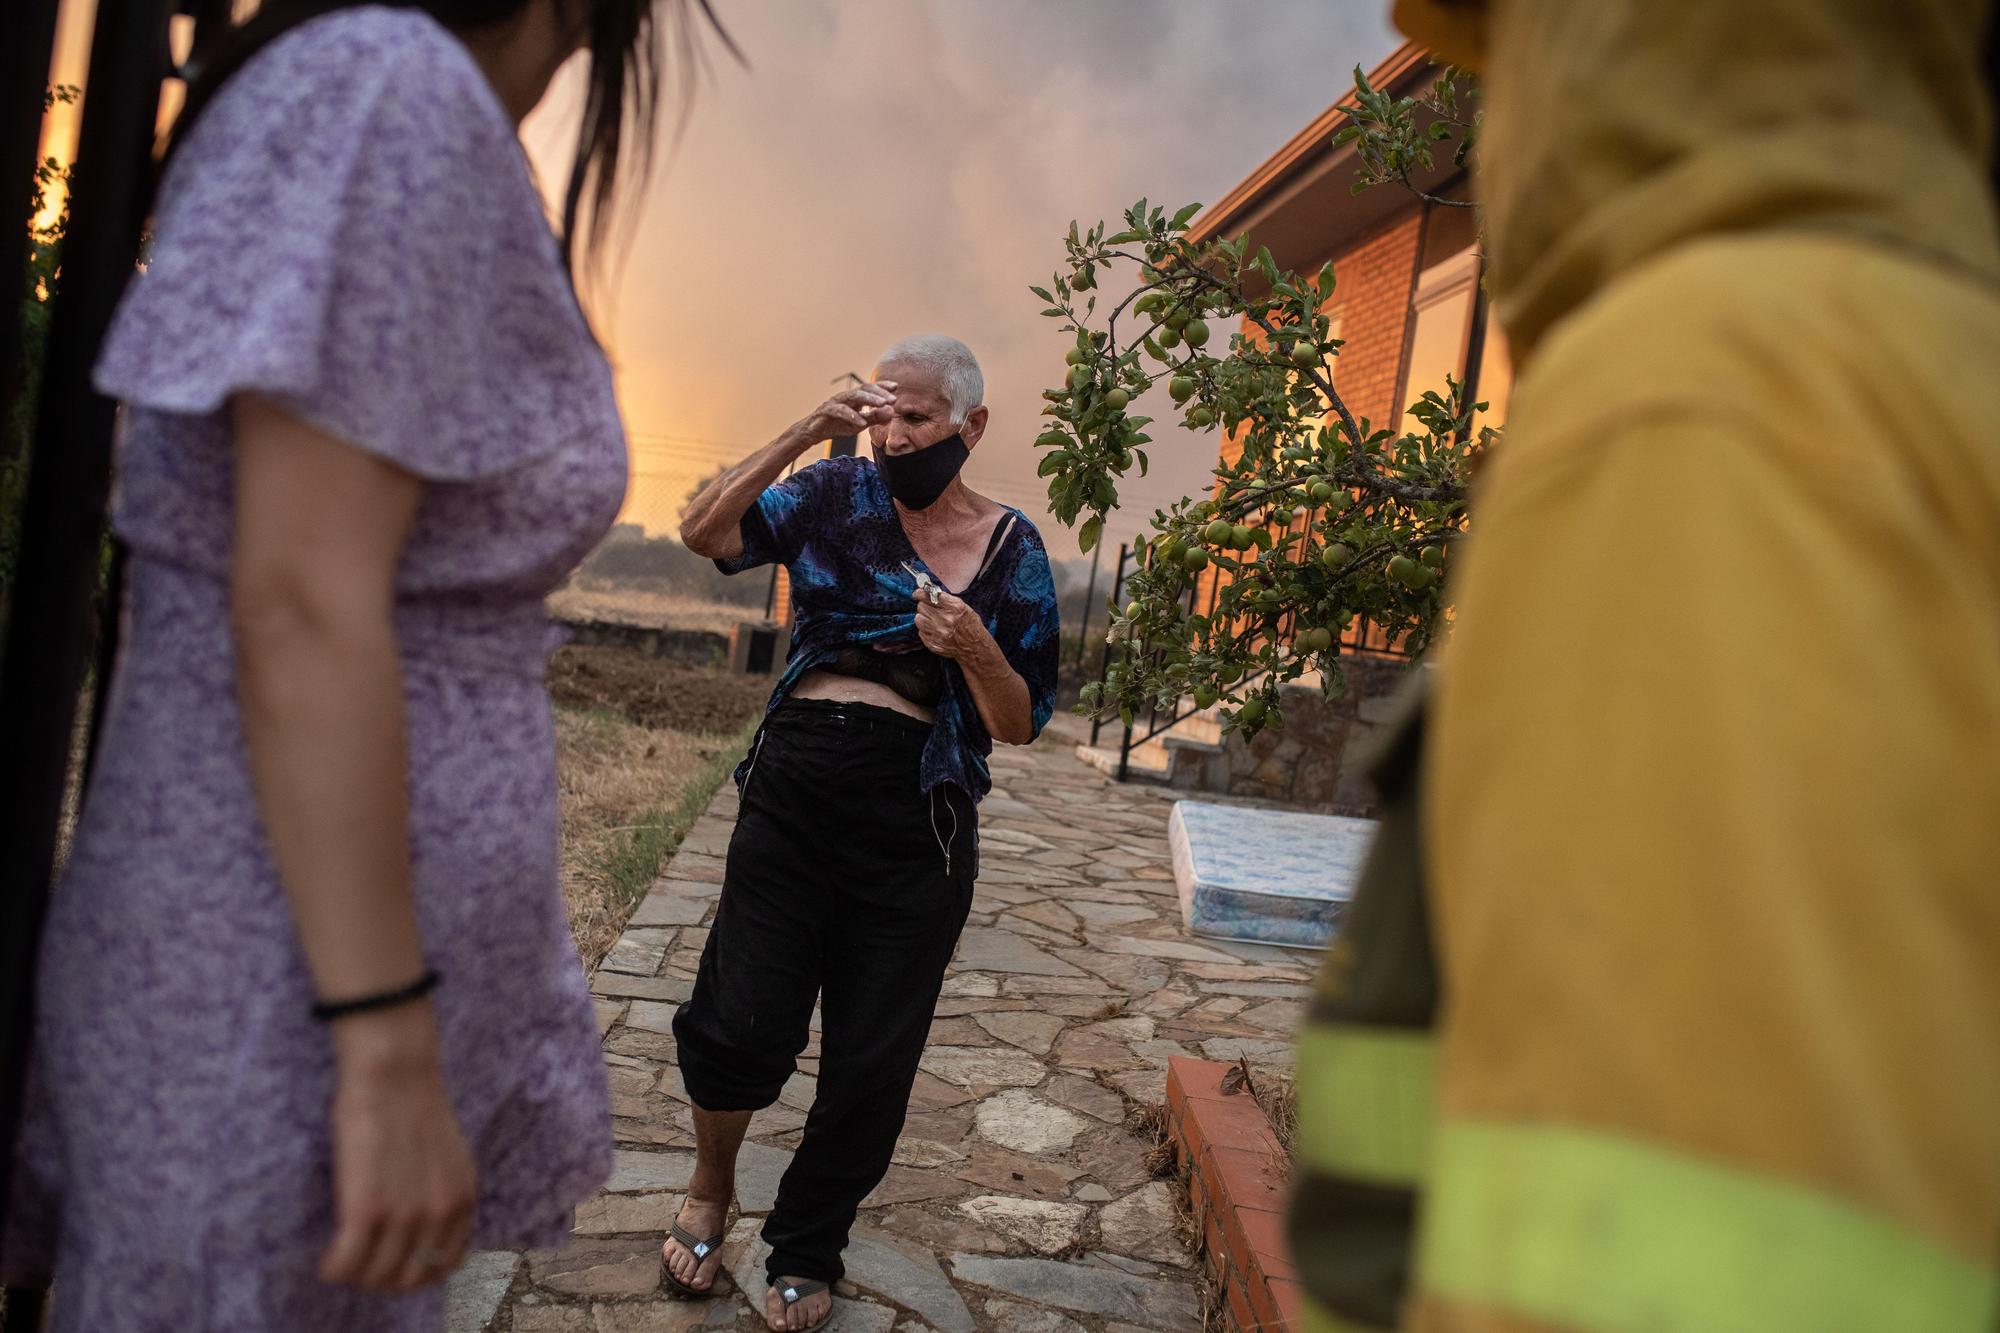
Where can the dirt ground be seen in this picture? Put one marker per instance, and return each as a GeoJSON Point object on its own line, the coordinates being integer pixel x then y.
{"type": "Point", "coordinates": [640, 746]}
{"type": "Point", "coordinates": [654, 694]}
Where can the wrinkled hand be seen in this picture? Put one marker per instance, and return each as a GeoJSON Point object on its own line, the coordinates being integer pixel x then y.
{"type": "Point", "coordinates": [952, 629]}
{"type": "Point", "coordinates": [853, 411]}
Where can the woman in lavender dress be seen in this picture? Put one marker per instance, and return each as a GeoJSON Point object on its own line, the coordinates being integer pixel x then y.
{"type": "Point", "coordinates": [367, 429]}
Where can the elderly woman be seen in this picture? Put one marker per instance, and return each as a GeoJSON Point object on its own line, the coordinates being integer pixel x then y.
{"type": "Point", "coordinates": [924, 630]}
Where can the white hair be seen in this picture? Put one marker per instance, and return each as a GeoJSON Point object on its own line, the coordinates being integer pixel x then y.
{"type": "Point", "coordinates": [953, 363]}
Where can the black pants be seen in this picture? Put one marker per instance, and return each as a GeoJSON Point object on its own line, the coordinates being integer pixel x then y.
{"type": "Point", "coordinates": [847, 883]}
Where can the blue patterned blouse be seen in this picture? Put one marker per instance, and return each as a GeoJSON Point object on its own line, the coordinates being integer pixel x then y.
{"type": "Point", "coordinates": [834, 528]}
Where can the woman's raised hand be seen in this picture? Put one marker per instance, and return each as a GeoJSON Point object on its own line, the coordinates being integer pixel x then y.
{"type": "Point", "coordinates": [852, 411]}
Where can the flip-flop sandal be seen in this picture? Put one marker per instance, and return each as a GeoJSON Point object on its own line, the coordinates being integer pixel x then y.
{"type": "Point", "coordinates": [794, 1292]}
{"type": "Point", "coordinates": [700, 1249]}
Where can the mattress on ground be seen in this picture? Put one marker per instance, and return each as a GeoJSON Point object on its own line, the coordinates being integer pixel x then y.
{"type": "Point", "coordinates": [1265, 876]}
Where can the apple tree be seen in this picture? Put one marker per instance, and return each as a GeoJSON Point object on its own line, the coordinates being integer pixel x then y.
{"type": "Point", "coordinates": [1322, 517]}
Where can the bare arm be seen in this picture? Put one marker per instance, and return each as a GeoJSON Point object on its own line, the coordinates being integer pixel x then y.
{"type": "Point", "coordinates": [713, 523]}
{"type": "Point", "coordinates": [319, 528]}
{"type": "Point", "coordinates": [952, 629]}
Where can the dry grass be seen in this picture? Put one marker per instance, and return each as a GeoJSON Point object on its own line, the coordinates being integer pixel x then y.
{"type": "Point", "coordinates": [1277, 1097]}
{"type": "Point", "coordinates": [596, 599]}
{"type": "Point", "coordinates": [628, 796]}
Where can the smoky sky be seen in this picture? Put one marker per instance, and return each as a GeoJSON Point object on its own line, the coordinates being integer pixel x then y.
{"type": "Point", "coordinates": [887, 167]}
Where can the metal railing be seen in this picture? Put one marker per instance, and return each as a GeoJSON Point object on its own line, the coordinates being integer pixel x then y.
{"type": "Point", "coordinates": [1360, 639]}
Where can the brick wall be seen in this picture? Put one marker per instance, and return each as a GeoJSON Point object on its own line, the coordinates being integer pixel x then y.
{"type": "Point", "coordinates": [1374, 281]}
{"type": "Point", "coordinates": [1375, 278]}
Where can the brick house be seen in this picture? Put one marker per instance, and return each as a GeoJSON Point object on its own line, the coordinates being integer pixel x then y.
{"type": "Point", "coordinates": [1407, 302]}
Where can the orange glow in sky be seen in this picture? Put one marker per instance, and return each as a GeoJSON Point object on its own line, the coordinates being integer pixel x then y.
{"type": "Point", "coordinates": [888, 167]}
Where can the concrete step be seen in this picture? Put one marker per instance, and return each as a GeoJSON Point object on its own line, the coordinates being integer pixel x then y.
{"type": "Point", "coordinates": [1156, 760]}
{"type": "Point", "coordinates": [1155, 766]}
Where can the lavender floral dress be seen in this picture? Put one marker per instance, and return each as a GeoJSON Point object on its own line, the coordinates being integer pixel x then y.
{"type": "Point", "coordinates": [352, 230]}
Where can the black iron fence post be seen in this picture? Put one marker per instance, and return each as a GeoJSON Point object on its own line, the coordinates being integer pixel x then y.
{"type": "Point", "coordinates": [24, 77]}
{"type": "Point", "coordinates": [49, 627]}
{"type": "Point", "coordinates": [1089, 595]}
{"type": "Point", "coordinates": [1104, 662]}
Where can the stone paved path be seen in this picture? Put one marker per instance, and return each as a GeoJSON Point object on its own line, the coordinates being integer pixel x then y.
{"type": "Point", "coordinates": [1018, 1201]}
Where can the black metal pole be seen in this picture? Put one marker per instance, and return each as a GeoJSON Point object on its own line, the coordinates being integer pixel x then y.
{"type": "Point", "coordinates": [1089, 592]}
{"type": "Point", "coordinates": [49, 624]}
{"type": "Point", "coordinates": [24, 76]}
{"type": "Point", "coordinates": [1104, 663]}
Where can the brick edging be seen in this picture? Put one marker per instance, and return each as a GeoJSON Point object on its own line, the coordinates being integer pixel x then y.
{"type": "Point", "coordinates": [1237, 1178]}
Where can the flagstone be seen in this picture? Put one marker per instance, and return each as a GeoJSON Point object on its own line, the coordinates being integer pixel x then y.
{"type": "Point", "coordinates": [1054, 916]}
{"type": "Point", "coordinates": [1180, 950]}
{"type": "Point", "coordinates": [1097, 893]}
{"type": "Point", "coordinates": [647, 1129]}
{"type": "Point", "coordinates": [968, 983]}
{"type": "Point", "coordinates": [1079, 1050]}
{"type": "Point", "coordinates": [952, 1232]}
{"type": "Point", "coordinates": [958, 1032]}
{"type": "Point", "coordinates": [664, 908]}
{"type": "Point", "coordinates": [634, 1171]}
{"type": "Point", "coordinates": [891, 1266]}
{"type": "Point", "coordinates": [1159, 1052]}
{"type": "Point", "coordinates": [635, 956]}
{"type": "Point", "coordinates": [1115, 1159]}
{"type": "Point", "coordinates": [799, 1091]}
{"type": "Point", "coordinates": [1242, 972]}
{"type": "Point", "coordinates": [989, 949]}
{"type": "Point", "coordinates": [1080, 1094]}
{"type": "Point", "coordinates": [542, 1319]}
{"type": "Point", "coordinates": [1040, 934]}
{"type": "Point", "coordinates": [1068, 985]}
{"type": "Point", "coordinates": [656, 1316]}
{"type": "Point", "coordinates": [1236, 1048]}
{"type": "Point", "coordinates": [1026, 1123]}
{"type": "Point", "coordinates": [925, 1153]}
{"type": "Point", "coordinates": [998, 1066]}
{"type": "Point", "coordinates": [1042, 1225]}
{"type": "Point", "coordinates": [1009, 1172]}
{"type": "Point", "coordinates": [652, 1016]}
{"type": "Point", "coordinates": [614, 1214]}
{"type": "Point", "coordinates": [1160, 1306]}
{"type": "Point", "coordinates": [1142, 1225]}
{"type": "Point", "coordinates": [1128, 973]}
{"type": "Point", "coordinates": [627, 1267]}
{"type": "Point", "coordinates": [1129, 1027]}
{"type": "Point", "coordinates": [698, 867]}
{"type": "Point", "coordinates": [931, 1093]}
{"type": "Point", "coordinates": [1018, 1318]}
{"type": "Point", "coordinates": [1029, 1031]}
{"type": "Point", "coordinates": [1102, 915]}
{"type": "Point", "coordinates": [473, 1294]}
{"type": "Point", "coordinates": [908, 1184]}
{"type": "Point", "coordinates": [1146, 1086]}
{"type": "Point", "coordinates": [1284, 1016]}
{"type": "Point", "coordinates": [615, 984]}
{"type": "Point", "coordinates": [1003, 837]}
{"type": "Point", "coordinates": [657, 1047]}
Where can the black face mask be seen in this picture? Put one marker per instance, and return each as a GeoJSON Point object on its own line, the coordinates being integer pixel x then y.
{"type": "Point", "coordinates": [918, 479]}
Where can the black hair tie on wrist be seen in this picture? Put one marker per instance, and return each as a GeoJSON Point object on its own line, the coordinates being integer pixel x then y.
{"type": "Point", "coordinates": [326, 1011]}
